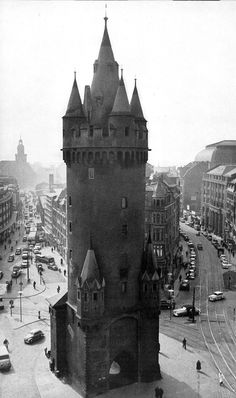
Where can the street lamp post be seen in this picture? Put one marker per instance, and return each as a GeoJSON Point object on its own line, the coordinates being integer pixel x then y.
{"type": "Point", "coordinates": [20, 293]}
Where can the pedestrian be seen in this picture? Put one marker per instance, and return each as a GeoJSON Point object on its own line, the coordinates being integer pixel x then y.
{"type": "Point", "coordinates": [52, 249]}
{"type": "Point", "coordinates": [61, 261]}
{"type": "Point", "coordinates": [6, 343]}
{"type": "Point", "coordinates": [186, 253]}
{"type": "Point", "coordinates": [34, 284]}
{"type": "Point", "coordinates": [64, 272]}
{"type": "Point", "coordinates": [198, 366]}
{"type": "Point", "coordinates": [161, 392]}
{"type": "Point", "coordinates": [5, 247]}
{"type": "Point", "coordinates": [220, 378]}
{"type": "Point", "coordinates": [184, 343]}
{"type": "Point", "coordinates": [39, 316]}
{"type": "Point", "coordinates": [58, 289]}
{"type": "Point", "coordinates": [180, 278]}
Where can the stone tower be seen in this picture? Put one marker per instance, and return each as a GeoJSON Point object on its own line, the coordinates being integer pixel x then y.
{"type": "Point", "coordinates": [112, 308]}
{"type": "Point", "coordinates": [20, 156]}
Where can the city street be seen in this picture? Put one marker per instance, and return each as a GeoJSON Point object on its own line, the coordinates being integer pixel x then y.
{"type": "Point", "coordinates": [214, 332]}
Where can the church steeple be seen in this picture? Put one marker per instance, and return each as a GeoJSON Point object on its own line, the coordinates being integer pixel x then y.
{"type": "Point", "coordinates": [75, 107]}
{"type": "Point", "coordinates": [20, 156]}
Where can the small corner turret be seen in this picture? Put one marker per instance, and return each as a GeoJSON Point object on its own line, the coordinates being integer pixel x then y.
{"type": "Point", "coordinates": [150, 280]}
{"type": "Point", "coordinates": [91, 285]}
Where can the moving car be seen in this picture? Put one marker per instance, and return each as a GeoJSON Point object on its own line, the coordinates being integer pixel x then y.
{"type": "Point", "coordinates": [24, 239]}
{"type": "Point", "coordinates": [11, 258]}
{"type": "Point", "coordinates": [18, 251]}
{"type": "Point", "coordinates": [198, 233]}
{"type": "Point", "coordinates": [217, 295]}
{"type": "Point", "coordinates": [37, 251]}
{"type": "Point", "coordinates": [226, 265]}
{"type": "Point", "coordinates": [209, 237]}
{"type": "Point", "coordinates": [5, 362]}
{"type": "Point", "coordinates": [33, 335]}
{"type": "Point", "coordinates": [186, 310]}
{"type": "Point", "coordinates": [16, 271]}
{"type": "Point", "coordinates": [184, 285]}
{"type": "Point", "coordinates": [199, 246]}
{"type": "Point", "coordinates": [53, 267]}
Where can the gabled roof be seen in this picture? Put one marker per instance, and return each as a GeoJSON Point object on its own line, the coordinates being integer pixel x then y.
{"type": "Point", "coordinates": [222, 170]}
{"type": "Point", "coordinates": [57, 300]}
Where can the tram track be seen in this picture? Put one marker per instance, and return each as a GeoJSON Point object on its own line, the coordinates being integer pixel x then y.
{"type": "Point", "coordinates": [215, 330]}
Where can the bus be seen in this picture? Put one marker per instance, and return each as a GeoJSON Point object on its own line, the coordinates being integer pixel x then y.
{"type": "Point", "coordinates": [32, 238]}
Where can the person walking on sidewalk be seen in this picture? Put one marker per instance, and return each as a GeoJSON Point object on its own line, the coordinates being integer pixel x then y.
{"type": "Point", "coordinates": [34, 284]}
{"type": "Point", "coordinates": [184, 343]}
{"type": "Point", "coordinates": [221, 378]}
{"type": "Point", "coordinates": [58, 289]}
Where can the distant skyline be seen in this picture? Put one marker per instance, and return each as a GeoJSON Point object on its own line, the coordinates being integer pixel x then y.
{"type": "Point", "coordinates": [182, 54]}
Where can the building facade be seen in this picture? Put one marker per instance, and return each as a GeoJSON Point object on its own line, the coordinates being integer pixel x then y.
{"type": "Point", "coordinates": [109, 322]}
{"type": "Point", "coordinates": [162, 208]}
{"type": "Point", "coordinates": [214, 198]}
{"type": "Point", "coordinates": [230, 220]}
{"type": "Point", "coordinates": [9, 206]}
{"type": "Point", "coordinates": [59, 223]}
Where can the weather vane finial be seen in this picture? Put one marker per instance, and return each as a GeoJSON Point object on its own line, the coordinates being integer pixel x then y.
{"type": "Point", "coordinates": [105, 19]}
{"type": "Point", "coordinates": [74, 74]}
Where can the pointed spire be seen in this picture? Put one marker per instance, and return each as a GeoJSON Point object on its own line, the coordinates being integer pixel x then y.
{"type": "Point", "coordinates": [106, 53]}
{"type": "Point", "coordinates": [90, 271]}
{"type": "Point", "coordinates": [75, 107]}
{"type": "Point", "coordinates": [135, 105]}
{"type": "Point", "coordinates": [149, 260]}
{"type": "Point", "coordinates": [121, 103]}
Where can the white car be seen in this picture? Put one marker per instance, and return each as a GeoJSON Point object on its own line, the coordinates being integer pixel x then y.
{"type": "Point", "coordinates": [216, 296]}
{"type": "Point", "coordinates": [226, 265]}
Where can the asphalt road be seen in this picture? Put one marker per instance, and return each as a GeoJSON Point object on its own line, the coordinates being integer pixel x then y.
{"type": "Point", "coordinates": [214, 331]}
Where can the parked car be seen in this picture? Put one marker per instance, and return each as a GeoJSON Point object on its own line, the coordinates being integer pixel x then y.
{"type": "Point", "coordinates": [209, 237]}
{"type": "Point", "coordinates": [184, 285]}
{"type": "Point", "coordinates": [1, 274]}
{"type": "Point", "coordinates": [33, 335]}
{"type": "Point", "coordinates": [11, 258]}
{"type": "Point", "coordinates": [198, 233]}
{"type": "Point", "coordinates": [1, 304]}
{"type": "Point", "coordinates": [199, 246]}
{"type": "Point", "coordinates": [18, 251]}
{"type": "Point", "coordinates": [216, 296]}
{"type": "Point", "coordinates": [24, 239]}
{"type": "Point", "coordinates": [53, 267]}
{"type": "Point", "coordinates": [24, 264]}
{"type": "Point", "coordinates": [166, 304]}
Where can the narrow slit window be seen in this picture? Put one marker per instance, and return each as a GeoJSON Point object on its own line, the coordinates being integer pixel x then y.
{"type": "Point", "coordinates": [91, 173]}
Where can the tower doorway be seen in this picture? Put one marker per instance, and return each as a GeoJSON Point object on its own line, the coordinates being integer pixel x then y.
{"type": "Point", "coordinates": [123, 370]}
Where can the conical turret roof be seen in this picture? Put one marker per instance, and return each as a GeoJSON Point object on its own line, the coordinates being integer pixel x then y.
{"type": "Point", "coordinates": [90, 271]}
{"type": "Point", "coordinates": [105, 81]}
{"type": "Point", "coordinates": [135, 105]}
{"type": "Point", "coordinates": [105, 52]}
{"type": "Point", "coordinates": [121, 103]}
{"type": "Point", "coordinates": [75, 107]}
{"type": "Point", "coordinates": [149, 260]}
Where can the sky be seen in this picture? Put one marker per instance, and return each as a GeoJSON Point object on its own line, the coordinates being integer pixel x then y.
{"type": "Point", "coordinates": [183, 55]}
